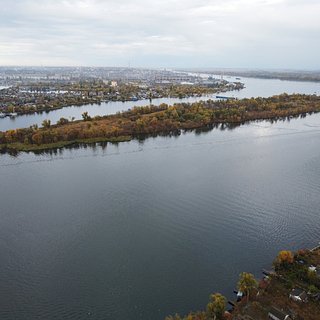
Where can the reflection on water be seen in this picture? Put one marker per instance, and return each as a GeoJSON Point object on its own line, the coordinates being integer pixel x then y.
{"type": "Point", "coordinates": [175, 133]}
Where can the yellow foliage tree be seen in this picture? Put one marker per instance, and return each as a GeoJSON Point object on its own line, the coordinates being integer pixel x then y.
{"type": "Point", "coordinates": [284, 258]}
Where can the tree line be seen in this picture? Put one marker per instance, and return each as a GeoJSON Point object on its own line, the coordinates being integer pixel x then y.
{"type": "Point", "coordinates": [162, 119]}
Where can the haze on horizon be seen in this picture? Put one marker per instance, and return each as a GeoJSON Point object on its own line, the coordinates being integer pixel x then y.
{"type": "Point", "coordinates": [161, 33]}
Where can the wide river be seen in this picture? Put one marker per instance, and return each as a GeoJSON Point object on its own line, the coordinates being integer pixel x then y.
{"type": "Point", "coordinates": [144, 229]}
{"type": "Point", "coordinates": [254, 88]}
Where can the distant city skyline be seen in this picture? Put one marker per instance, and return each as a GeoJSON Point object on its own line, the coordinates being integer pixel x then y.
{"type": "Point", "coordinates": [277, 34]}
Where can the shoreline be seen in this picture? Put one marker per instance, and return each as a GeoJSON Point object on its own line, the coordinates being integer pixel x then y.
{"type": "Point", "coordinates": [76, 101]}
{"type": "Point", "coordinates": [291, 290]}
{"type": "Point", "coordinates": [157, 120]}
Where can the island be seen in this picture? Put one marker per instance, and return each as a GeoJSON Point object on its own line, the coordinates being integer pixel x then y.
{"type": "Point", "coordinates": [154, 120]}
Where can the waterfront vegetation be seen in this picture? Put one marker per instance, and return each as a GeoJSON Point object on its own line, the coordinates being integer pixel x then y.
{"type": "Point", "coordinates": [153, 120]}
{"type": "Point", "coordinates": [43, 97]}
{"type": "Point", "coordinates": [292, 271]}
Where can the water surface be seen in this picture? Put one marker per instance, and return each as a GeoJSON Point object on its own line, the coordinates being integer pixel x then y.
{"type": "Point", "coordinates": [147, 228]}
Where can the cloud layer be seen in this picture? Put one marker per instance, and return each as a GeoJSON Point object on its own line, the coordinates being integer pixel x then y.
{"type": "Point", "coordinates": [161, 33]}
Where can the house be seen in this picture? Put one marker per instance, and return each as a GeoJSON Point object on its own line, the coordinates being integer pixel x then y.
{"type": "Point", "coordinates": [312, 269]}
{"type": "Point", "coordinates": [275, 314]}
{"type": "Point", "coordinates": [114, 84]}
{"type": "Point", "coordinates": [298, 295]}
{"type": "Point", "coordinates": [263, 284]}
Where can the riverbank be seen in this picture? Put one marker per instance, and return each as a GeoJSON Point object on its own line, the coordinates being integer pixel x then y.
{"type": "Point", "coordinates": [206, 197]}
{"type": "Point", "coordinates": [154, 120]}
{"type": "Point", "coordinates": [290, 291]}
{"type": "Point", "coordinates": [58, 145]}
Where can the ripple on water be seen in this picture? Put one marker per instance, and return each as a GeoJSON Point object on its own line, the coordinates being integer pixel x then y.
{"type": "Point", "coordinates": [154, 226]}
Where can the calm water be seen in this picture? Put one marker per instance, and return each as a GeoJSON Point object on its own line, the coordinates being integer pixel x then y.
{"type": "Point", "coordinates": [254, 88]}
{"type": "Point", "coordinates": [145, 229]}
{"type": "Point", "coordinates": [269, 87]}
{"type": "Point", "coordinates": [93, 110]}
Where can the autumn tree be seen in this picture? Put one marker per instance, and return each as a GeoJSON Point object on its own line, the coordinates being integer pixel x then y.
{"type": "Point", "coordinates": [140, 125]}
{"type": "Point", "coordinates": [284, 259]}
{"type": "Point", "coordinates": [216, 306]}
{"type": "Point", "coordinates": [247, 283]}
{"type": "Point", "coordinates": [37, 138]}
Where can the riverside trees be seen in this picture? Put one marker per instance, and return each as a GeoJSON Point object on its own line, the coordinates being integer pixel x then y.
{"type": "Point", "coordinates": [215, 310]}
{"type": "Point", "coordinates": [247, 283]}
{"type": "Point", "coordinates": [216, 306]}
{"type": "Point", "coordinates": [284, 259]}
{"type": "Point", "coordinates": [164, 119]}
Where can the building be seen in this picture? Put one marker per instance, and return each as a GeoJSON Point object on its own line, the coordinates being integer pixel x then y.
{"type": "Point", "coordinates": [275, 314]}
{"type": "Point", "coordinates": [298, 295]}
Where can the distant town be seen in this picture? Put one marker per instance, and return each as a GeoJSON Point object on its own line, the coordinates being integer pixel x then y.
{"type": "Point", "coordinates": [30, 90]}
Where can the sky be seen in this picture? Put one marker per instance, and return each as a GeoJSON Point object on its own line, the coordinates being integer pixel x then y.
{"type": "Point", "coordinates": [272, 34]}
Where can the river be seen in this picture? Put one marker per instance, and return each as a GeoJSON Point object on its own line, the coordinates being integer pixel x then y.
{"type": "Point", "coordinates": [254, 88]}
{"type": "Point", "coordinates": [144, 229]}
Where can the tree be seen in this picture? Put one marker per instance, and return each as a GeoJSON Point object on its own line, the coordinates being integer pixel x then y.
{"type": "Point", "coordinates": [247, 283]}
{"type": "Point", "coordinates": [85, 116]}
{"type": "Point", "coordinates": [46, 123]}
{"type": "Point", "coordinates": [284, 259]}
{"type": "Point", "coordinates": [140, 124]}
{"type": "Point", "coordinates": [313, 289]}
{"type": "Point", "coordinates": [62, 121]}
{"type": "Point", "coordinates": [34, 127]}
{"type": "Point", "coordinates": [37, 138]}
{"type": "Point", "coordinates": [216, 306]}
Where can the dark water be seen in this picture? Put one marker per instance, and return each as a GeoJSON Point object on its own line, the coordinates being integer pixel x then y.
{"type": "Point", "coordinates": [145, 229]}
{"type": "Point", "coordinates": [254, 88]}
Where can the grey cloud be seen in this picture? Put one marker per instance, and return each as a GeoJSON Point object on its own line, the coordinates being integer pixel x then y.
{"type": "Point", "coordinates": [229, 33]}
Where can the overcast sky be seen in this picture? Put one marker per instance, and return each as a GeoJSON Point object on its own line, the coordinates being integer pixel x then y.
{"type": "Point", "coordinates": [161, 33]}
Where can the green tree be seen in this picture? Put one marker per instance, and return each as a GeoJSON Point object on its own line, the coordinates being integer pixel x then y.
{"type": "Point", "coordinates": [46, 123]}
{"type": "Point", "coordinates": [62, 121]}
{"type": "Point", "coordinates": [313, 289]}
{"type": "Point", "coordinates": [85, 116]}
{"type": "Point", "coordinates": [216, 306]}
{"type": "Point", "coordinates": [247, 283]}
